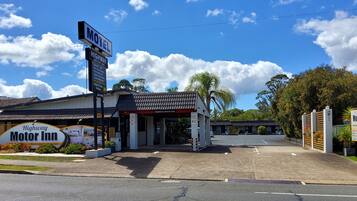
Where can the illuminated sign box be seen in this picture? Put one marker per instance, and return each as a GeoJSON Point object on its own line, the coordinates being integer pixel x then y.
{"type": "Point", "coordinates": [92, 37]}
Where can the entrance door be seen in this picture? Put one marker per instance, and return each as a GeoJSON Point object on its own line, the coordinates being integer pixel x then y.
{"type": "Point", "coordinates": [124, 130]}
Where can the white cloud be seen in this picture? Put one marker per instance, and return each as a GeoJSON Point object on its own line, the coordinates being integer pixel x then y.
{"type": "Point", "coordinates": [250, 19]}
{"type": "Point", "coordinates": [82, 74]}
{"type": "Point", "coordinates": [9, 8]}
{"type": "Point", "coordinates": [13, 20]}
{"type": "Point", "coordinates": [286, 2]}
{"type": "Point", "coordinates": [41, 73]}
{"type": "Point", "coordinates": [116, 15]}
{"type": "Point", "coordinates": [38, 53]}
{"type": "Point", "coordinates": [233, 17]}
{"type": "Point", "coordinates": [161, 71]}
{"type": "Point", "coordinates": [338, 37]}
{"type": "Point", "coordinates": [156, 13]}
{"type": "Point", "coordinates": [214, 12]}
{"type": "Point", "coordinates": [38, 88]}
{"type": "Point", "coordinates": [66, 74]}
{"type": "Point", "coordinates": [138, 4]}
{"type": "Point", "coordinates": [10, 19]}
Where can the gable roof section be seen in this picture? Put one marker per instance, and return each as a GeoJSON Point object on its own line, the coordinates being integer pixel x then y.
{"type": "Point", "coordinates": [8, 102]}
{"type": "Point", "coordinates": [158, 101]}
{"type": "Point", "coordinates": [65, 98]}
{"type": "Point", "coordinates": [177, 102]}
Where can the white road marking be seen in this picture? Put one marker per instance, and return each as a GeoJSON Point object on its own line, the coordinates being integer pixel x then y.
{"type": "Point", "coordinates": [226, 153]}
{"type": "Point", "coordinates": [293, 154]}
{"type": "Point", "coordinates": [79, 160]}
{"type": "Point", "coordinates": [303, 183]}
{"type": "Point", "coordinates": [156, 152]}
{"type": "Point", "coordinates": [265, 142]}
{"type": "Point", "coordinates": [225, 180]}
{"type": "Point", "coordinates": [257, 150]}
{"type": "Point", "coordinates": [170, 181]}
{"type": "Point", "coordinates": [308, 194]}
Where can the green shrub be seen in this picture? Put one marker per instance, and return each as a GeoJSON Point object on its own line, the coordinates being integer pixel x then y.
{"type": "Point", "coordinates": [21, 147]}
{"type": "Point", "coordinates": [46, 148]}
{"type": "Point", "coordinates": [345, 136]}
{"type": "Point", "coordinates": [262, 130]}
{"type": "Point", "coordinates": [8, 148]}
{"type": "Point", "coordinates": [74, 149]}
{"type": "Point", "coordinates": [233, 130]}
{"type": "Point", "coordinates": [109, 144]}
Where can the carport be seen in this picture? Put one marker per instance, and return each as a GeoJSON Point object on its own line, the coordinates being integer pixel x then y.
{"type": "Point", "coordinates": [148, 113]}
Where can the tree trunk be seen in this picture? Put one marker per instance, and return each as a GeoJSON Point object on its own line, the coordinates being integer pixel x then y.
{"type": "Point", "coordinates": [208, 102]}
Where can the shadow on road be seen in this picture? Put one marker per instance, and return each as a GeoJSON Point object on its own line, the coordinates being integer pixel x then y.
{"type": "Point", "coordinates": [141, 167]}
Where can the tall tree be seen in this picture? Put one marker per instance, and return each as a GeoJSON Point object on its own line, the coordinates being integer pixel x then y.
{"type": "Point", "coordinates": [123, 84]}
{"type": "Point", "coordinates": [172, 89]}
{"type": "Point", "coordinates": [208, 86]}
{"type": "Point", "coordinates": [315, 89]}
{"type": "Point", "coordinates": [140, 85]}
{"type": "Point", "coordinates": [267, 97]}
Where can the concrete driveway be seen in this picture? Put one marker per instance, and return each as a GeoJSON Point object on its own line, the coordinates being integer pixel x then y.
{"type": "Point", "coordinates": [274, 160]}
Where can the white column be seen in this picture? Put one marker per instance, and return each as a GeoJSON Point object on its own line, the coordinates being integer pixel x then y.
{"type": "Point", "coordinates": [117, 134]}
{"type": "Point", "coordinates": [208, 131]}
{"type": "Point", "coordinates": [328, 147]}
{"type": "Point", "coordinates": [133, 131]}
{"type": "Point", "coordinates": [313, 127]}
{"type": "Point", "coordinates": [150, 130]}
{"type": "Point", "coordinates": [202, 130]}
{"type": "Point", "coordinates": [194, 130]}
{"type": "Point", "coordinates": [162, 131]}
{"type": "Point", "coordinates": [303, 119]}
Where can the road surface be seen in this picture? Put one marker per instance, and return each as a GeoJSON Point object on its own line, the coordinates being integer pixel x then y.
{"type": "Point", "coordinates": [56, 188]}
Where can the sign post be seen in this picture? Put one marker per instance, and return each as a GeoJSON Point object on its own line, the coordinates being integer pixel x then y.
{"type": "Point", "coordinates": [96, 55]}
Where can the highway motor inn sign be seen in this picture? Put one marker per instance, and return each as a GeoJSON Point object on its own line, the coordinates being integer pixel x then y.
{"type": "Point", "coordinates": [354, 124]}
{"type": "Point", "coordinates": [33, 133]}
{"type": "Point", "coordinates": [97, 66]}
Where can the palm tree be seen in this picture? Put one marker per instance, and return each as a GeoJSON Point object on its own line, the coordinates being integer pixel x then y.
{"type": "Point", "coordinates": [208, 87]}
{"type": "Point", "coordinates": [347, 115]}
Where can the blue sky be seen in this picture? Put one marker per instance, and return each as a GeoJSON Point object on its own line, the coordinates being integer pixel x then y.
{"type": "Point", "coordinates": [244, 42]}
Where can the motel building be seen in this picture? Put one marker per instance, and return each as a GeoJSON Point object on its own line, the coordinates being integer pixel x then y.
{"type": "Point", "coordinates": [133, 120]}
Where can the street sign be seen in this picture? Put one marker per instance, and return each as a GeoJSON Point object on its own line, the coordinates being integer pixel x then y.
{"type": "Point", "coordinates": [97, 66]}
{"type": "Point", "coordinates": [354, 124]}
{"type": "Point", "coordinates": [92, 37]}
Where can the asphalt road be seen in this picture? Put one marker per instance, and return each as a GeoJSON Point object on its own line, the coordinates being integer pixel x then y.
{"type": "Point", "coordinates": [249, 140]}
{"type": "Point", "coordinates": [56, 188]}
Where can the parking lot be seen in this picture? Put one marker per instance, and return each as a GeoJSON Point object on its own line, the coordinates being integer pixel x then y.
{"type": "Point", "coordinates": [249, 140]}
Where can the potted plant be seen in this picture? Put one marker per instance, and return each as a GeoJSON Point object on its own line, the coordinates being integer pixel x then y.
{"type": "Point", "coordinates": [111, 145]}
{"type": "Point", "coordinates": [345, 136]}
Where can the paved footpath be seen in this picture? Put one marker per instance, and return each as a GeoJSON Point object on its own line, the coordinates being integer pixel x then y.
{"type": "Point", "coordinates": [43, 188]}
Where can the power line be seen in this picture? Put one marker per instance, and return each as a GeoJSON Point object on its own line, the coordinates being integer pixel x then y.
{"type": "Point", "coordinates": [187, 26]}
{"type": "Point", "coordinates": [169, 27]}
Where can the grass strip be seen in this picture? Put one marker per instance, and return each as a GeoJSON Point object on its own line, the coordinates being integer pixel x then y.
{"type": "Point", "coordinates": [22, 168]}
{"type": "Point", "coordinates": [354, 158]}
{"type": "Point", "coordinates": [39, 158]}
